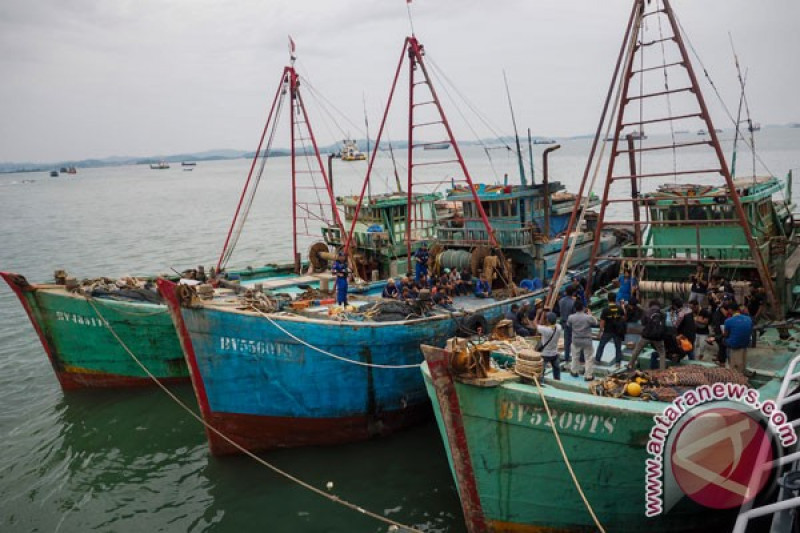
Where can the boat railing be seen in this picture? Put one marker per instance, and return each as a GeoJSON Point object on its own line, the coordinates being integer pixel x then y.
{"type": "Point", "coordinates": [788, 499]}
{"type": "Point", "coordinates": [515, 238]}
{"type": "Point", "coordinates": [730, 253]}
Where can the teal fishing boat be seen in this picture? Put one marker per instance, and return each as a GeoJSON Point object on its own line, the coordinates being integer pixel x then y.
{"type": "Point", "coordinates": [692, 447]}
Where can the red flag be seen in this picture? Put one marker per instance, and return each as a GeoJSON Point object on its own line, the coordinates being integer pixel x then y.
{"type": "Point", "coordinates": [291, 45]}
{"type": "Point", "coordinates": [408, 1]}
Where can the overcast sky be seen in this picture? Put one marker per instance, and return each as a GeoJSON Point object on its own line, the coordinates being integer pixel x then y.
{"type": "Point", "coordinates": [92, 78]}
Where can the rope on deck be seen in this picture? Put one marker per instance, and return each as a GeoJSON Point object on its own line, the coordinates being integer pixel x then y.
{"type": "Point", "coordinates": [242, 449]}
{"type": "Point", "coordinates": [329, 354]}
{"type": "Point", "coordinates": [566, 459]}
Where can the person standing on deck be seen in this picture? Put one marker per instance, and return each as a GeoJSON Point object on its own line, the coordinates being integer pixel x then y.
{"type": "Point", "coordinates": [699, 290]}
{"type": "Point", "coordinates": [718, 317]}
{"type": "Point", "coordinates": [683, 322]}
{"type": "Point", "coordinates": [756, 306]}
{"type": "Point", "coordinates": [581, 323]}
{"type": "Point", "coordinates": [628, 287]}
{"type": "Point", "coordinates": [653, 332]}
{"type": "Point", "coordinates": [738, 329]}
{"type": "Point", "coordinates": [339, 269]}
{"type": "Point", "coordinates": [421, 261]}
{"type": "Point", "coordinates": [550, 332]}
{"type": "Point", "coordinates": [580, 292]}
{"type": "Point", "coordinates": [613, 327]}
{"type": "Point", "coordinates": [566, 306]}
{"type": "Point", "coordinates": [702, 319]}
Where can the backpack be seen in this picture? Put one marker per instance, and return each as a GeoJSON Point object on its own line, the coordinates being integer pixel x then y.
{"type": "Point", "coordinates": [654, 325]}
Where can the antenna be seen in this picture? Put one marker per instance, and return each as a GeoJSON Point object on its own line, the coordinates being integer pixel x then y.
{"type": "Point", "coordinates": [516, 134]}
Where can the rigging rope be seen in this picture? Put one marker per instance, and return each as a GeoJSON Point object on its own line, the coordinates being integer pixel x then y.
{"type": "Point", "coordinates": [254, 187]}
{"type": "Point", "coordinates": [240, 448]}
{"type": "Point", "coordinates": [566, 459]}
{"type": "Point", "coordinates": [719, 96]}
{"type": "Point", "coordinates": [559, 280]}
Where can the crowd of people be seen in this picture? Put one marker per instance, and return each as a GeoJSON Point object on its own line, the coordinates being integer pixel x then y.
{"type": "Point", "coordinates": [711, 326]}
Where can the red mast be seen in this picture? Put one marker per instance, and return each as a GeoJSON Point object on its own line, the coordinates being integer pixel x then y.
{"type": "Point", "coordinates": [312, 197]}
{"type": "Point", "coordinates": [415, 53]}
{"type": "Point", "coordinates": [624, 190]}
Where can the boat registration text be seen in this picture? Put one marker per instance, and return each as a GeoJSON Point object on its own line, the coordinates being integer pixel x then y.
{"type": "Point", "coordinates": [565, 420]}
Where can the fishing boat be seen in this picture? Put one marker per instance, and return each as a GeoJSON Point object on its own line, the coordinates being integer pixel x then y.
{"type": "Point", "coordinates": [640, 449]}
{"type": "Point", "coordinates": [161, 165]}
{"type": "Point", "coordinates": [90, 329]}
{"type": "Point", "coordinates": [436, 146]}
{"type": "Point", "coordinates": [311, 372]}
{"type": "Point", "coordinates": [54, 173]}
{"type": "Point", "coordinates": [350, 151]}
{"type": "Point", "coordinates": [188, 163]}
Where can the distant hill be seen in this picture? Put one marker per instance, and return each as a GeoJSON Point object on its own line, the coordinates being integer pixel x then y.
{"type": "Point", "coordinates": [211, 155]}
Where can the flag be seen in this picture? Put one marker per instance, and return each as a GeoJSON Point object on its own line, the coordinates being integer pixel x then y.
{"type": "Point", "coordinates": [291, 46]}
{"type": "Point", "coordinates": [408, 1]}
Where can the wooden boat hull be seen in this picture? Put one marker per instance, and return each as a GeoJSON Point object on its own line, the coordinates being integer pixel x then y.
{"type": "Point", "coordinates": [266, 390]}
{"type": "Point", "coordinates": [508, 459]}
{"type": "Point", "coordinates": [82, 350]}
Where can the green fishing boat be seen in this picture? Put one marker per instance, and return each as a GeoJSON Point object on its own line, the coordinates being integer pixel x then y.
{"type": "Point", "coordinates": [692, 447]}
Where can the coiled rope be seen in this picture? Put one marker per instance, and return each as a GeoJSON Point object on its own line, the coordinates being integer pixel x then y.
{"type": "Point", "coordinates": [566, 459]}
{"type": "Point", "coordinates": [329, 354]}
{"type": "Point", "coordinates": [240, 448]}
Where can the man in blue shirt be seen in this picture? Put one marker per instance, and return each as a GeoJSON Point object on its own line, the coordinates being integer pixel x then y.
{"type": "Point", "coordinates": [482, 287]}
{"type": "Point", "coordinates": [390, 290]}
{"type": "Point", "coordinates": [339, 270]}
{"type": "Point", "coordinates": [421, 259]}
{"type": "Point", "coordinates": [628, 286]}
{"type": "Point", "coordinates": [738, 329]}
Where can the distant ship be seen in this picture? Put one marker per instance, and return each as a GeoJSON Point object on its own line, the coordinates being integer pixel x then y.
{"type": "Point", "coordinates": [754, 126]}
{"type": "Point", "coordinates": [68, 170]}
{"type": "Point", "coordinates": [637, 135]}
{"type": "Point", "coordinates": [350, 151]}
{"type": "Point", "coordinates": [544, 141]}
{"type": "Point", "coordinates": [437, 146]}
{"type": "Point", "coordinates": [159, 166]}
{"type": "Point", "coordinates": [188, 163]}
{"type": "Point", "coordinates": [54, 173]}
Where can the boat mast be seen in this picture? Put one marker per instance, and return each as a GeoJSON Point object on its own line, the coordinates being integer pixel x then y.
{"type": "Point", "coordinates": [635, 49]}
{"type": "Point", "coordinates": [320, 196]}
{"type": "Point", "coordinates": [516, 135]}
{"type": "Point", "coordinates": [414, 51]}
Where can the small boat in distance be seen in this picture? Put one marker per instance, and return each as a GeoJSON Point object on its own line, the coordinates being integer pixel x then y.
{"type": "Point", "coordinates": [54, 173]}
{"type": "Point", "coordinates": [188, 164]}
{"type": "Point", "coordinates": [350, 151]}
{"type": "Point", "coordinates": [437, 146]}
{"type": "Point", "coordinates": [754, 126]}
{"type": "Point", "coordinates": [161, 165]}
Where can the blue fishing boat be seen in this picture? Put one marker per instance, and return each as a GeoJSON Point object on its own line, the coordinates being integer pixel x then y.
{"type": "Point", "coordinates": [270, 372]}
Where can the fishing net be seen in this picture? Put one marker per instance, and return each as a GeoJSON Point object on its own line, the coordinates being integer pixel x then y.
{"type": "Point", "coordinates": [664, 385]}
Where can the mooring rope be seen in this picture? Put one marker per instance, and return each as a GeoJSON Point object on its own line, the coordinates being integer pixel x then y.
{"type": "Point", "coordinates": [240, 448]}
{"type": "Point", "coordinates": [566, 459]}
{"type": "Point", "coordinates": [329, 354]}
